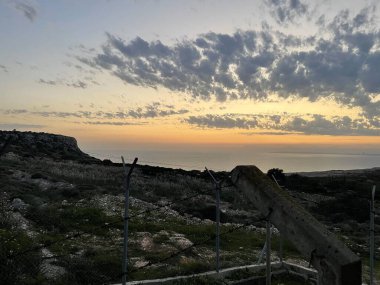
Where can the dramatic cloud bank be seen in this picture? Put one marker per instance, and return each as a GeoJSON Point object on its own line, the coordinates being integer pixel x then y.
{"type": "Point", "coordinates": [287, 124]}
{"type": "Point", "coordinates": [341, 62]}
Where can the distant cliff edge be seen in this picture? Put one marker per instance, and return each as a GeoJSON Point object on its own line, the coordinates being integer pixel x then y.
{"type": "Point", "coordinates": [31, 144]}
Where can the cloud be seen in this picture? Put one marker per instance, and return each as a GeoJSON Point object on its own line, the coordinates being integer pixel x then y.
{"type": "Point", "coordinates": [153, 110]}
{"type": "Point", "coordinates": [112, 123]}
{"type": "Point", "coordinates": [222, 122]}
{"type": "Point", "coordinates": [17, 126]}
{"type": "Point", "coordinates": [287, 124]}
{"type": "Point", "coordinates": [78, 114]}
{"type": "Point", "coordinates": [266, 133]}
{"type": "Point", "coordinates": [27, 9]}
{"type": "Point", "coordinates": [48, 82]}
{"type": "Point", "coordinates": [285, 11]}
{"type": "Point", "coordinates": [337, 126]}
{"type": "Point", "coordinates": [75, 84]}
{"type": "Point", "coordinates": [15, 111]}
{"type": "Point", "coordinates": [342, 63]}
{"type": "Point", "coordinates": [3, 68]}
{"type": "Point", "coordinates": [149, 111]}
{"type": "Point", "coordinates": [203, 68]}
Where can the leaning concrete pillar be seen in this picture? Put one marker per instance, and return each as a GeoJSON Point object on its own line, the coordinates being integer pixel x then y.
{"type": "Point", "coordinates": [336, 264]}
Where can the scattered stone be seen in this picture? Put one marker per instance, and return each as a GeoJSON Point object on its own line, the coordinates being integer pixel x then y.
{"type": "Point", "coordinates": [11, 156]}
{"type": "Point", "coordinates": [18, 205]}
{"type": "Point", "coordinates": [140, 263]}
{"type": "Point", "coordinates": [180, 241]}
{"type": "Point", "coordinates": [145, 241]}
{"type": "Point", "coordinates": [48, 269]}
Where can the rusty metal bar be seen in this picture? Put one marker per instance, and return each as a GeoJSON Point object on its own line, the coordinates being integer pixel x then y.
{"type": "Point", "coordinates": [268, 253]}
{"type": "Point", "coordinates": [126, 217]}
{"type": "Point", "coordinates": [372, 236]}
{"type": "Point", "coordinates": [217, 220]}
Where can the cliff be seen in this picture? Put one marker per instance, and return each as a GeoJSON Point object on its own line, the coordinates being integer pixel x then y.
{"type": "Point", "coordinates": [31, 144]}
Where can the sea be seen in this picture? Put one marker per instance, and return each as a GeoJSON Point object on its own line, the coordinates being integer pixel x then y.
{"type": "Point", "coordinates": [225, 159]}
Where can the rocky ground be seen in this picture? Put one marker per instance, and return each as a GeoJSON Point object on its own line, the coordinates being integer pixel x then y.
{"type": "Point", "coordinates": [62, 216]}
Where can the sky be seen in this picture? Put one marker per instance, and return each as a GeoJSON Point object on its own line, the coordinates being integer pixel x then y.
{"type": "Point", "coordinates": [190, 73]}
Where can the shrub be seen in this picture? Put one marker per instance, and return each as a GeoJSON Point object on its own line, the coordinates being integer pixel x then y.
{"type": "Point", "coordinates": [14, 268]}
{"type": "Point", "coordinates": [278, 174]}
{"type": "Point", "coordinates": [93, 267]}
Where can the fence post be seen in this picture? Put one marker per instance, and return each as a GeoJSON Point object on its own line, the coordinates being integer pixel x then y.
{"type": "Point", "coordinates": [281, 241]}
{"type": "Point", "coordinates": [268, 253]}
{"type": "Point", "coordinates": [372, 235]}
{"type": "Point", "coordinates": [281, 248]}
{"type": "Point", "coordinates": [126, 217]}
{"type": "Point", "coordinates": [217, 219]}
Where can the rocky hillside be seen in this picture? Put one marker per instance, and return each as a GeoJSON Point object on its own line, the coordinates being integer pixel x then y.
{"type": "Point", "coordinates": [31, 144]}
{"type": "Point", "coordinates": [61, 220]}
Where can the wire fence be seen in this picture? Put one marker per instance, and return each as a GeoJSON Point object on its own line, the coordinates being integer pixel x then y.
{"type": "Point", "coordinates": [149, 162]}
{"type": "Point", "coordinates": [27, 260]}
{"type": "Point", "coordinates": [34, 263]}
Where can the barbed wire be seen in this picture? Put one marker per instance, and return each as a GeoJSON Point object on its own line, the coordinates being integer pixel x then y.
{"type": "Point", "coordinates": [146, 161]}
{"type": "Point", "coordinates": [199, 243]}
{"type": "Point", "coordinates": [156, 208]}
{"type": "Point", "coordinates": [108, 224]}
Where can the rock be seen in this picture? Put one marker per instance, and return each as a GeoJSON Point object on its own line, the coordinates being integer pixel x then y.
{"type": "Point", "coordinates": [23, 224]}
{"type": "Point", "coordinates": [18, 205]}
{"type": "Point", "coordinates": [32, 144]}
{"type": "Point", "coordinates": [345, 227]}
{"type": "Point", "coordinates": [140, 263]}
{"type": "Point", "coordinates": [180, 241]}
{"type": "Point", "coordinates": [11, 156]}
{"type": "Point", "coordinates": [145, 241]}
{"type": "Point", "coordinates": [48, 268]}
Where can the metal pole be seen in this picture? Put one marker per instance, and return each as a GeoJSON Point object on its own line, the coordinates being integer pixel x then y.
{"type": "Point", "coordinates": [126, 217]}
{"type": "Point", "coordinates": [217, 228]}
{"type": "Point", "coordinates": [281, 241]}
{"type": "Point", "coordinates": [268, 249]}
{"type": "Point", "coordinates": [372, 236]}
{"type": "Point", "coordinates": [217, 220]}
{"type": "Point", "coordinates": [281, 248]}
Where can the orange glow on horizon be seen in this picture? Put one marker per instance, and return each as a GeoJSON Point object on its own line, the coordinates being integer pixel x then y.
{"type": "Point", "coordinates": [178, 135]}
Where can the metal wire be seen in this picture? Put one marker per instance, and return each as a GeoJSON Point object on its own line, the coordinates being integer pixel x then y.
{"type": "Point", "coordinates": [205, 241]}
{"type": "Point", "coordinates": [108, 225]}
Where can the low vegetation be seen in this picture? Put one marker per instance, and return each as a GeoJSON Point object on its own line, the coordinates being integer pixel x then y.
{"type": "Point", "coordinates": [61, 221]}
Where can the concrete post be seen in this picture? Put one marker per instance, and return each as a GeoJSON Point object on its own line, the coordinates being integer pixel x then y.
{"type": "Point", "coordinates": [336, 264]}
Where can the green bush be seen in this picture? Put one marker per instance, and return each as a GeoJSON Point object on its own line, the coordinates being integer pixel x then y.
{"type": "Point", "coordinates": [68, 219]}
{"type": "Point", "coordinates": [18, 265]}
{"type": "Point", "coordinates": [93, 267]}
